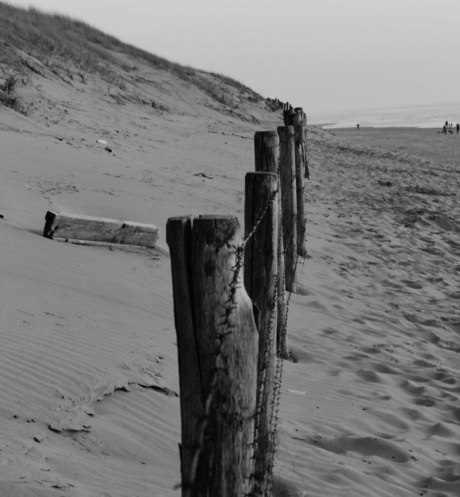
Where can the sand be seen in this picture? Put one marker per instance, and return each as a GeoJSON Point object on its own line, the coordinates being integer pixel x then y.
{"type": "Point", "coordinates": [89, 401]}
{"type": "Point", "coordinates": [373, 403]}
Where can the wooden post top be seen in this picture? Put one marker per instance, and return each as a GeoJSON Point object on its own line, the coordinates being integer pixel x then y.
{"type": "Point", "coordinates": [219, 227]}
{"type": "Point", "coordinates": [266, 134]}
{"type": "Point", "coordinates": [258, 173]}
{"type": "Point", "coordinates": [287, 131]}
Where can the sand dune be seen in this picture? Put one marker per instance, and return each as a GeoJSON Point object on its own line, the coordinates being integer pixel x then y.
{"type": "Point", "coordinates": [89, 404]}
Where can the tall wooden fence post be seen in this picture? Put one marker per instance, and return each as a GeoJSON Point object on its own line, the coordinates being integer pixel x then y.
{"type": "Point", "coordinates": [304, 151]}
{"type": "Point", "coordinates": [266, 151]}
{"type": "Point", "coordinates": [291, 117]}
{"type": "Point", "coordinates": [267, 156]}
{"type": "Point", "coordinates": [260, 269]}
{"type": "Point", "coordinates": [217, 343]}
{"type": "Point", "coordinates": [288, 203]}
{"type": "Point", "coordinates": [296, 118]}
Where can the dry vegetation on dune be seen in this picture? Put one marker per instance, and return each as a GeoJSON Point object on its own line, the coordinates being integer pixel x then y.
{"type": "Point", "coordinates": [35, 42]}
{"type": "Point", "coordinates": [8, 95]}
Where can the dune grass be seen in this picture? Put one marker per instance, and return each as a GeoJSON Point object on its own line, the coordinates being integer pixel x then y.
{"type": "Point", "coordinates": [69, 47]}
{"type": "Point", "coordinates": [9, 97]}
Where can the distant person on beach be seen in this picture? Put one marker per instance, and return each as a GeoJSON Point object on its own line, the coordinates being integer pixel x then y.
{"type": "Point", "coordinates": [357, 126]}
{"type": "Point", "coordinates": [444, 129]}
{"type": "Point", "coordinates": [458, 128]}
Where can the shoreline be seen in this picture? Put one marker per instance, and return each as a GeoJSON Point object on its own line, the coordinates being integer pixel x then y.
{"type": "Point", "coordinates": [428, 144]}
{"type": "Point", "coordinates": [332, 127]}
{"type": "Point", "coordinates": [419, 116]}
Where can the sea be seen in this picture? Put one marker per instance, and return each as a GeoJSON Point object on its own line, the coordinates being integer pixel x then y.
{"type": "Point", "coordinates": [422, 116]}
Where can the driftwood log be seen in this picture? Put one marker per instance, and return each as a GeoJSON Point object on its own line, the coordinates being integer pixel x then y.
{"type": "Point", "coordinates": [97, 229]}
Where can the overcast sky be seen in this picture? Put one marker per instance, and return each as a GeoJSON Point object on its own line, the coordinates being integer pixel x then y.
{"type": "Point", "coordinates": [323, 55]}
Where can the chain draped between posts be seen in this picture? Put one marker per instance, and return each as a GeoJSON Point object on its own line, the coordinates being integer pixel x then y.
{"type": "Point", "coordinates": [228, 327]}
{"type": "Point", "coordinates": [275, 401]}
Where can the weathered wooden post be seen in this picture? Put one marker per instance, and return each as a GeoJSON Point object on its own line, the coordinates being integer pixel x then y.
{"type": "Point", "coordinates": [267, 155]}
{"type": "Point", "coordinates": [260, 281]}
{"type": "Point", "coordinates": [303, 123]}
{"type": "Point", "coordinates": [300, 191]}
{"type": "Point", "coordinates": [291, 117]}
{"type": "Point", "coordinates": [266, 151]}
{"type": "Point", "coordinates": [288, 203]}
{"type": "Point", "coordinates": [217, 343]}
{"type": "Point", "coordinates": [296, 118]}
{"type": "Point", "coordinates": [305, 156]}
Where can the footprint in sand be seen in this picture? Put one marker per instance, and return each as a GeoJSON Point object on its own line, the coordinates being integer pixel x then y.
{"type": "Point", "coordinates": [330, 331]}
{"type": "Point", "coordinates": [432, 251]}
{"type": "Point", "coordinates": [412, 284]}
{"type": "Point", "coordinates": [411, 414]}
{"type": "Point", "coordinates": [391, 284]}
{"type": "Point", "coordinates": [366, 446]}
{"type": "Point", "coordinates": [369, 375]}
{"type": "Point", "coordinates": [444, 376]}
{"type": "Point", "coordinates": [413, 389]}
{"type": "Point", "coordinates": [380, 367]}
{"type": "Point", "coordinates": [439, 430]}
{"type": "Point", "coordinates": [447, 481]}
{"type": "Point", "coordinates": [453, 415]}
{"type": "Point", "coordinates": [425, 402]}
{"type": "Point", "coordinates": [438, 280]}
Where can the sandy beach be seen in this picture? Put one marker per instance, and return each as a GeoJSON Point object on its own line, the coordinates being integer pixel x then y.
{"type": "Point", "coordinates": [89, 401]}
{"type": "Point", "coordinates": [380, 356]}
